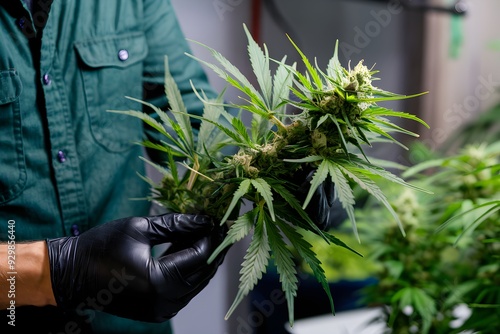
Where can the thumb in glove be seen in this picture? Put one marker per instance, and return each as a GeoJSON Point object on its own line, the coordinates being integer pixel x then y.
{"type": "Point", "coordinates": [324, 208]}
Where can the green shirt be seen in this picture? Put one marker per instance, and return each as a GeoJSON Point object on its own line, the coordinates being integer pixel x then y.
{"type": "Point", "coordinates": [66, 164]}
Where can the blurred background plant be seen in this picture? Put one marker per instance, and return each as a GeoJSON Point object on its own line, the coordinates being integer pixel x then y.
{"type": "Point", "coordinates": [444, 276]}
{"type": "Point", "coordinates": [450, 255]}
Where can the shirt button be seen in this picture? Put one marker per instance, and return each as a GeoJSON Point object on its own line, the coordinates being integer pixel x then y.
{"type": "Point", "coordinates": [21, 22]}
{"type": "Point", "coordinates": [46, 79]}
{"type": "Point", "coordinates": [75, 230]}
{"type": "Point", "coordinates": [61, 156]}
{"type": "Point", "coordinates": [123, 55]}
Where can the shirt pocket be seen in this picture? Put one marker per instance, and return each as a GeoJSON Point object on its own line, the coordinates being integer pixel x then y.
{"type": "Point", "coordinates": [12, 159]}
{"type": "Point", "coordinates": [112, 68]}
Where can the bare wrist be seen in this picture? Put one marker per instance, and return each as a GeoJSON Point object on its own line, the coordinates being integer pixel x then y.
{"type": "Point", "coordinates": [29, 282]}
{"type": "Point", "coordinates": [34, 258]}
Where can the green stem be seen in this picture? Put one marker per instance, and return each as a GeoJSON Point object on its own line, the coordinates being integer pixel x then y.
{"type": "Point", "coordinates": [193, 176]}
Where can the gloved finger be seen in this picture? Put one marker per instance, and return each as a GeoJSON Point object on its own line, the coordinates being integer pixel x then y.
{"type": "Point", "coordinates": [319, 211]}
{"type": "Point", "coordinates": [200, 279]}
{"type": "Point", "coordinates": [325, 191]}
{"type": "Point", "coordinates": [322, 201]}
{"type": "Point", "coordinates": [184, 300]}
{"type": "Point", "coordinates": [191, 262]}
{"type": "Point", "coordinates": [173, 227]}
{"type": "Point", "coordinates": [329, 191]}
{"type": "Point", "coordinates": [178, 245]}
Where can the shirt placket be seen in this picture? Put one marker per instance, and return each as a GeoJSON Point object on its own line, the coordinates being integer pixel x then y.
{"type": "Point", "coordinates": [64, 159]}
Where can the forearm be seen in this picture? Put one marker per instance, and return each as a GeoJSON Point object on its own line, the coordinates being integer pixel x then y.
{"type": "Point", "coordinates": [25, 275]}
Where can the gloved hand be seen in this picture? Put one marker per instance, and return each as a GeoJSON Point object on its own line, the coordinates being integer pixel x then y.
{"type": "Point", "coordinates": [324, 209]}
{"type": "Point", "coordinates": [110, 267]}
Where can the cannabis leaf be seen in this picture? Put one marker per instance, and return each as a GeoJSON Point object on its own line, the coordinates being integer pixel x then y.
{"type": "Point", "coordinates": [337, 116]}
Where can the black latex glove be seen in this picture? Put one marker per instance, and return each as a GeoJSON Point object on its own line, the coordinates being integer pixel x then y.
{"type": "Point", "coordinates": [110, 267]}
{"type": "Point", "coordinates": [324, 209]}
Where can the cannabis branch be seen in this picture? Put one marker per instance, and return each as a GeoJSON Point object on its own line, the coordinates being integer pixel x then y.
{"type": "Point", "coordinates": [338, 116]}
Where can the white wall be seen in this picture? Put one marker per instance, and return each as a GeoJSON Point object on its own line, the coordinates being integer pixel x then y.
{"type": "Point", "coordinates": [467, 83]}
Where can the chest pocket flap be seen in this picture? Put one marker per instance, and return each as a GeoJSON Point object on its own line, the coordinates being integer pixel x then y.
{"type": "Point", "coordinates": [113, 51]}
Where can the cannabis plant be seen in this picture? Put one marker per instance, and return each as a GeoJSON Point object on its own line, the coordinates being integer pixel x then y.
{"type": "Point", "coordinates": [337, 115]}
{"type": "Point", "coordinates": [449, 259]}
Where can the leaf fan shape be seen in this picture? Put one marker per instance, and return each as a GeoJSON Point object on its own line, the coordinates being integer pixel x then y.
{"type": "Point", "coordinates": [229, 163]}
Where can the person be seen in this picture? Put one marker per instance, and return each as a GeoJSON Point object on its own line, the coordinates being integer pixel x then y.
{"type": "Point", "coordinates": [77, 254]}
